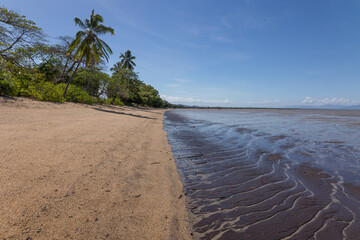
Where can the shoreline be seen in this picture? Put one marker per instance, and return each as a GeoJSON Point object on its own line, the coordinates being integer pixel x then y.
{"type": "Point", "coordinates": [87, 172]}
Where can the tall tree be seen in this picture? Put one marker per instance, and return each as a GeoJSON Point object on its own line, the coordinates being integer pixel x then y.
{"type": "Point", "coordinates": [92, 80]}
{"type": "Point", "coordinates": [117, 67]}
{"type": "Point", "coordinates": [87, 45]}
{"type": "Point", "coordinates": [124, 84]}
{"type": "Point", "coordinates": [127, 60]}
{"type": "Point", "coordinates": [17, 31]}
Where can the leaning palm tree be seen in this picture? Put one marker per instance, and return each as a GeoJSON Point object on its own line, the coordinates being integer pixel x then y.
{"type": "Point", "coordinates": [87, 46]}
{"type": "Point", "coordinates": [127, 60]}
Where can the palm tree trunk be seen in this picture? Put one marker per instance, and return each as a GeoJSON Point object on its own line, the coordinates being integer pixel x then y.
{"type": "Point", "coordinates": [62, 78]}
{"type": "Point", "coordinates": [113, 100]}
{"type": "Point", "coordinates": [72, 76]}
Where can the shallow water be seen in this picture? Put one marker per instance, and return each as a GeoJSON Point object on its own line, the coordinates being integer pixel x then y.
{"type": "Point", "coordinates": [261, 174]}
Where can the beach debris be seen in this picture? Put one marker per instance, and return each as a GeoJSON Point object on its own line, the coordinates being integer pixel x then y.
{"type": "Point", "coordinates": [138, 195]}
{"type": "Point", "coordinates": [180, 196]}
{"type": "Point", "coordinates": [155, 163]}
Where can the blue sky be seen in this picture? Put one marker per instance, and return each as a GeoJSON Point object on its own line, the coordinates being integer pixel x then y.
{"type": "Point", "coordinates": [226, 53]}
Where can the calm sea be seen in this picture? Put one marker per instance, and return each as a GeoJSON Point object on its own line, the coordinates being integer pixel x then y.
{"type": "Point", "coordinates": [269, 174]}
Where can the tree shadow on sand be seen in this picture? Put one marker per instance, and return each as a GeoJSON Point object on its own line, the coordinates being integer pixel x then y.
{"type": "Point", "coordinates": [144, 109]}
{"type": "Point", "coordinates": [122, 113]}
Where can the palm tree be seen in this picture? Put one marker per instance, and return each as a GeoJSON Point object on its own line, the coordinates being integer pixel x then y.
{"type": "Point", "coordinates": [117, 67]}
{"type": "Point", "coordinates": [87, 46]}
{"type": "Point", "coordinates": [127, 60]}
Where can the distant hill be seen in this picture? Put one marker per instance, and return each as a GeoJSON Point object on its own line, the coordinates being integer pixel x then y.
{"type": "Point", "coordinates": [328, 106]}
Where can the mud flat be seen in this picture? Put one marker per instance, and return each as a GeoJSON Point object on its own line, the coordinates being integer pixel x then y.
{"type": "Point", "coordinates": [243, 181]}
{"type": "Point", "coordinates": [71, 171]}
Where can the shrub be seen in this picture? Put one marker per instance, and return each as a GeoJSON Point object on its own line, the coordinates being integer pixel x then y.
{"type": "Point", "coordinates": [8, 85]}
{"type": "Point", "coordinates": [116, 102]}
{"type": "Point", "coordinates": [45, 91]}
{"type": "Point", "coordinates": [5, 88]}
{"type": "Point", "coordinates": [99, 100]}
{"type": "Point", "coordinates": [76, 94]}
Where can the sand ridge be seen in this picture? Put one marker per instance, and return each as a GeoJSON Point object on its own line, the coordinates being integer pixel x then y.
{"type": "Point", "coordinates": [73, 171]}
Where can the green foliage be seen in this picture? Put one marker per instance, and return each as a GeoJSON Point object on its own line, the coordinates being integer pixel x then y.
{"type": "Point", "coordinates": [91, 81]}
{"type": "Point", "coordinates": [5, 88]}
{"type": "Point", "coordinates": [117, 101]}
{"type": "Point", "coordinates": [34, 85]}
{"type": "Point", "coordinates": [87, 44]}
{"type": "Point", "coordinates": [50, 69]}
{"type": "Point", "coordinates": [29, 85]}
{"type": "Point", "coordinates": [124, 84]}
{"type": "Point", "coordinates": [76, 94]}
{"type": "Point", "coordinates": [150, 96]}
{"type": "Point", "coordinates": [8, 85]}
{"type": "Point", "coordinates": [45, 91]}
{"type": "Point", "coordinates": [127, 61]}
{"type": "Point", "coordinates": [16, 31]}
{"type": "Point", "coordinates": [29, 67]}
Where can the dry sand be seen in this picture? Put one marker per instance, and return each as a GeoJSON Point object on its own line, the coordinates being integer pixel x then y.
{"type": "Point", "coordinates": [72, 171]}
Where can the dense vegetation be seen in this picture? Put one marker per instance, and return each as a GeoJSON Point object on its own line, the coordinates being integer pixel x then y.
{"type": "Point", "coordinates": [72, 70]}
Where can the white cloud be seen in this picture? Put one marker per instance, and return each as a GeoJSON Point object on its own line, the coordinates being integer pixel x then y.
{"type": "Point", "coordinates": [308, 100]}
{"type": "Point", "coordinates": [191, 100]}
{"type": "Point", "coordinates": [324, 101]}
{"type": "Point", "coordinates": [335, 100]}
{"type": "Point", "coordinates": [269, 101]}
{"type": "Point", "coordinates": [263, 102]}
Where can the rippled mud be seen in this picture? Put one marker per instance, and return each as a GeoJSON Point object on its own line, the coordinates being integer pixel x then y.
{"type": "Point", "coordinates": [243, 181]}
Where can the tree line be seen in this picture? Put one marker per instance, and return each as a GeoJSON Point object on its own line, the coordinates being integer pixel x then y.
{"type": "Point", "coordinates": [71, 70]}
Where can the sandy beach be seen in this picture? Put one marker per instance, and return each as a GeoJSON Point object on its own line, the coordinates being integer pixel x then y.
{"type": "Point", "coordinates": [72, 171]}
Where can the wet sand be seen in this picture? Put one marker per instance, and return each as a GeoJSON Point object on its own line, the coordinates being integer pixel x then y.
{"type": "Point", "coordinates": [71, 171]}
{"type": "Point", "coordinates": [239, 192]}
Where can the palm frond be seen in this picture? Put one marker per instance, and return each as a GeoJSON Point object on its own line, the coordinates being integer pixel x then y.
{"type": "Point", "coordinates": [96, 55]}
{"type": "Point", "coordinates": [98, 18]}
{"type": "Point", "coordinates": [80, 34]}
{"type": "Point", "coordinates": [101, 29]}
{"type": "Point", "coordinates": [87, 23]}
{"type": "Point", "coordinates": [132, 63]}
{"type": "Point", "coordinates": [102, 48]}
{"type": "Point", "coordinates": [107, 47]}
{"type": "Point", "coordinates": [127, 60]}
{"type": "Point", "coordinates": [75, 43]}
{"type": "Point", "coordinates": [79, 23]}
{"type": "Point", "coordinates": [87, 45]}
{"type": "Point", "coordinates": [81, 50]}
